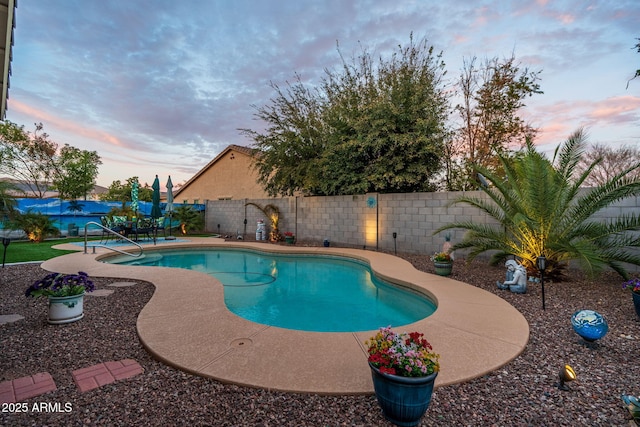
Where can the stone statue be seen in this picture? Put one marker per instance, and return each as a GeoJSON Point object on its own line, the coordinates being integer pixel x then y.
{"type": "Point", "coordinates": [516, 278]}
{"type": "Point", "coordinates": [447, 245]}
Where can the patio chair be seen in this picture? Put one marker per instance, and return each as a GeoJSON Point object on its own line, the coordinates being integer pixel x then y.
{"type": "Point", "coordinates": [144, 227]}
{"type": "Point", "coordinates": [118, 224]}
{"type": "Point", "coordinates": [160, 225]}
{"type": "Point", "coordinates": [106, 223]}
{"type": "Point", "coordinates": [119, 221]}
{"type": "Point", "coordinates": [111, 225]}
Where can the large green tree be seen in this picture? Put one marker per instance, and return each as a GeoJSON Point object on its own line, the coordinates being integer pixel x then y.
{"type": "Point", "coordinates": [637, 46]}
{"type": "Point", "coordinates": [492, 97]}
{"type": "Point", "coordinates": [35, 161]}
{"type": "Point", "coordinates": [637, 74]}
{"type": "Point", "coordinates": [371, 126]}
{"type": "Point", "coordinates": [540, 209]}
{"type": "Point", "coordinates": [27, 156]}
{"type": "Point", "coordinates": [76, 172]}
{"type": "Point", "coordinates": [289, 152]}
{"type": "Point", "coordinates": [121, 192]}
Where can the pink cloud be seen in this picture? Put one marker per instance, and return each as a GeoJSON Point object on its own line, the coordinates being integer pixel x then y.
{"type": "Point", "coordinates": [619, 109]}
{"type": "Point", "coordinates": [558, 120]}
{"type": "Point", "coordinates": [459, 39]}
{"type": "Point", "coordinates": [565, 18]}
{"type": "Point", "coordinates": [53, 121]}
{"type": "Point", "coordinates": [481, 18]}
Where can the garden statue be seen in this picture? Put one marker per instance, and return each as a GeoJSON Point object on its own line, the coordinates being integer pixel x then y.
{"type": "Point", "coordinates": [447, 245]}
{"type": "Point", "coordinates": [516, 278]}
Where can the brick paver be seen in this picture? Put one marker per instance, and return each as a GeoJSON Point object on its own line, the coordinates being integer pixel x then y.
{"type": "Point", "coordinates": [26, 387]}
{"type": "Point", "coordinates": [105, 373]}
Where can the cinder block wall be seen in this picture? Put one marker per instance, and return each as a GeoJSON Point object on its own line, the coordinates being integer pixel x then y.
{"type": "Point", "coordinates": [368, 220]}
{"type": "Point", "coordinates": [362, 221]}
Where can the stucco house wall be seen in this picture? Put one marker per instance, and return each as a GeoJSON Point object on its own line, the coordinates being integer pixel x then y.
{"type": "Point", "coordinates": [229, 176]}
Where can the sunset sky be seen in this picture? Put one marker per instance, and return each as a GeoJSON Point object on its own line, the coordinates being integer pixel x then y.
{"type": "Point", "coordinates": [161, 87]}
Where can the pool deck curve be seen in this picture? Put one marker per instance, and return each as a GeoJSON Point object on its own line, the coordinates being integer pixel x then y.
{"type": "Point", "coordinates": [187, 325]}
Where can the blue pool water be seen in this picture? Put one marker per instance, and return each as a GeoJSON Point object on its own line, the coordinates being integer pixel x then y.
{"type": "Point", "coordinates": [302, 292]}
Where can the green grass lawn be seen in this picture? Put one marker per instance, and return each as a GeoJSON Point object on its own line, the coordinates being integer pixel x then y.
{"type": "Point", "coordinates": [24, 251]}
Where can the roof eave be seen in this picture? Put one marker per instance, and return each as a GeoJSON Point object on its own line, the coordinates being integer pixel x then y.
{"type": "Point", "coordinates": [7, 24]}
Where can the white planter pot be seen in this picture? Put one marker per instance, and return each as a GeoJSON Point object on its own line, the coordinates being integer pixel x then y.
{"type": "Point", "coordinates": [66, 309]}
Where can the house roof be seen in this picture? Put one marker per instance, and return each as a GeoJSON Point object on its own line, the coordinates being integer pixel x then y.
{"type": "Point", "coordinates": [7, 24]}
{"type": "Point", "coordinates": [239, 148]}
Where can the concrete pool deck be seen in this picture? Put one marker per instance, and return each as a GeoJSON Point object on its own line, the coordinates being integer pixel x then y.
{"type": "Point", "coordinates": [187, 325]}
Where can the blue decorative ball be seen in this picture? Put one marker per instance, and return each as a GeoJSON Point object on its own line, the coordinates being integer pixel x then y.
{"type": "Point", "coordinates": [589, 324]}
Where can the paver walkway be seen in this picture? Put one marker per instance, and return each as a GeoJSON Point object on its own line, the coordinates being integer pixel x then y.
{"type": "Point", "coordinates": [105, 373]}
{"type": "Point", "coordinates": [26, 387]}
{"type": "Point", "coordinates": [86, 379]}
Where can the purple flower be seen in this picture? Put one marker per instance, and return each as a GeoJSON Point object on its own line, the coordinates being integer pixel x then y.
{"type": "Point", "coordinates": [61, 285]}
{"type": "Point", "coordinates": [633, 285]}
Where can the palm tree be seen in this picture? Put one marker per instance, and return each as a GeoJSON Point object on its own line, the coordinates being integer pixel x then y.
{"type": "Point", "coordinates": [8, 202]}
{"type": "Point", "coordinates": [75, 206]}
{"type": "Point", "coordinates": [36, 226]}
{"type": "Point", "coordinates": [541, 210]}
{"type": "Point", "coordinates": [272, 212]}
{"type": "Point", "coordinates": [190, 219]}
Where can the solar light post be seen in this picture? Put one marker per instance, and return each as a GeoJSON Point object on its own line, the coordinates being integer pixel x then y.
{"type": "Point", "coordinates": [542, 265]}
{"type": "Point", "coordinates": [395, 249]}
{"type": "Point", "coordinates": [5, 243]}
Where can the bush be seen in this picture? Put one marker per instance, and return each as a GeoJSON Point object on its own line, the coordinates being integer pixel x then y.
{"type": "Point", "coordinates": [37, 226]}
{"type": "Point", "coordinates": [190, 219]}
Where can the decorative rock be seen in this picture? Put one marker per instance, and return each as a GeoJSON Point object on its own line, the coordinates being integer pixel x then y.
{"type": "Point", "coordinates": [100, 293]}
{"type": "Point", "coordinates": [122, 284]}
{"type": "Point", "coordinates": [8, 318]}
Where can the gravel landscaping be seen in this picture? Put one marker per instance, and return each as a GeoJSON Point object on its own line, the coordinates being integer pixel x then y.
{"type": "Point", "coordinates": [522, 393]}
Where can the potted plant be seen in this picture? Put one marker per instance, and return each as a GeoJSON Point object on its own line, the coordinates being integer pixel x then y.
{"type": "Point", "coordinates": [65, 293]}
{"type": "Point", "coordinates": [289, 237]}
{"type": "Point", "coordinates": [443, 263]}
{"type": "Point", "coordinates": [404, 368]}
{"type": "Point", "coordinates": [634, 286]}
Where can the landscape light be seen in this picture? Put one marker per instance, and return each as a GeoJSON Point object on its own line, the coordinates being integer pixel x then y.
{"type": "Point", "coordinates": [395, 248]}
{"type": "Point", "coordinates": [542, 265]}
{"type": "Point", "coordinates": [566, 375]}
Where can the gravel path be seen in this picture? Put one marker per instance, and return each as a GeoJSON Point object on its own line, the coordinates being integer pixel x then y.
{"type": "Point", "coordinates": [521, 393]}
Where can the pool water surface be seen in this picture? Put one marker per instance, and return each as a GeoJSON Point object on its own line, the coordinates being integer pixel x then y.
{"type": "Point", "coordinates": [301, 292]}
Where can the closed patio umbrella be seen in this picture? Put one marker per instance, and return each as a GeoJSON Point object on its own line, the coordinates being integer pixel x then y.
{"type": "Point", "coordinates": [155, 199]}
{"type": "Point", "coordinates": [169, 208]}
{"type": "Point", "coordinates": [134, 198]}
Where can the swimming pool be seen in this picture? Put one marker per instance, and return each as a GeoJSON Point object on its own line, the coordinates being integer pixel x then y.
{"type": "Point", "coordinates": [187, 325]}
{"type": "Point", "coordinates": [301, 292]}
